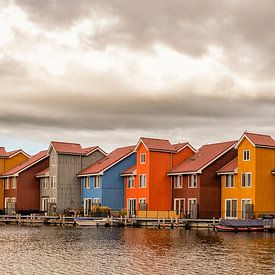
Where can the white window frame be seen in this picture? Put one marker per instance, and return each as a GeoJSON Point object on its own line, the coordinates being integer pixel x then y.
{"type": "Point", "coordinates": [142, 158]}
{"type": "Point", "coordinates": [43, 200]}
{"type": "Point", "coordinates": [45, 183]}
{"type": "Point", "coordinates": [225, 209]}
{"type": "Point", "coordinates": [232, 176]}
{"type": "Point", "coordinates": [7, 183]}
{"type": "Point", "coordinates": [243, 184]}
{"type": "Point", "coordinates": [191, 181]}
{"type": "Point", "coordinates": [130, 182]}
{"type": "Point", "coordinates": [142, 183]}
{"type": "Point", "coordinates": [13, 184]}
{"type": "Point", "coordinates": [178, 181]}
{"type": "Point", "coordinates": [181, 200]}
{"type": "Point", "coordinates": [246, 155]}
{"type": "Point", "coordinates": [96, 182]}
{"type": "Point", "coordinates": [86, 211]}
{"type": "Point", "coordinates": [53, 182]}
{"type": "Point", "coordinates": [242, 210]}
{"type": "Point", "coordinates": [188, 206]}
{"type": "Point", "coordinates": [96, 201]}
{"type": "Point", "coordinates": [87, 184]}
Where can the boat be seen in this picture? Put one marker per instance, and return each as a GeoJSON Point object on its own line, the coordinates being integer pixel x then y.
{"type": "Point", "coordinates": [91, 222]}
{"type": "Point", "coordinates": [227, 225]}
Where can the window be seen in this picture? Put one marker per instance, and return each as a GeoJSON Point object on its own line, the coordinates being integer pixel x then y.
{"type": "Point", "coordinates": [247, 209]}
{"type": "Point", "coordinates": [142, 204]}
{"type": "Point", "coordinates": [131, 182]}
{"type": "Point", "coordinates": [7, 183]}
{"type": "Point", "coordinates": [231, 208]}
{"type": "Point", "coordinates": [96, 202]}
{"type": "Point", "coordinates": [142, 181]}
{"type": "Point", "coordinates": [192, 181]}
{"type": "Point", "coordinates": [246, 155]}
{"type": "Point", "coordinates": [97, 182]}
{"type": "Point", "coordinates": [177, 181]}
{"type": "Point", "coordinates": [246, 180]}
{"type": "Point", "coordinates": [229, 181]}
{"type": "Point", "coordinates": [45, 183]}
{"type": "Point", "coordinates": [179, 206]}
{"type": "Point", "coordinates": [142, 158]}
{"type": "Point", "coordinates": [53, 181]}
{"type": "Point", "coordinates": [87, 183]}
{"type": "Point", "coordinates": [87, 206]}
{"type": "Point", "coordinates": [45, 202]}
{"type": "Point", "coordinates": [52, 200]}
{"type": "Point", "coordinates": [192, 208]}
{"type": "Point", "coordinates": [13, 183]}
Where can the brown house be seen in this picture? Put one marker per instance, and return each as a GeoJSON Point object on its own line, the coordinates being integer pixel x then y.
{"type": "Point", "coordinates": [195, 184]}
{"type": "Point", "coordinates": [22, 189]}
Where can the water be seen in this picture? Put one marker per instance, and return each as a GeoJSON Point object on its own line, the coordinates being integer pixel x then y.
{"type": "Point", "coordinates": [70, 250]}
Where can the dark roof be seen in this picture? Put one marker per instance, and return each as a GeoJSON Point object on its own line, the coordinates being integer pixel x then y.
{"type": "Point", "coordinates": [229, 167]}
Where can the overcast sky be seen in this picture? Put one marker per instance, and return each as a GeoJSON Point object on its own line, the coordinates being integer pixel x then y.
{"type": "Point", "coordinates": [107, 72]}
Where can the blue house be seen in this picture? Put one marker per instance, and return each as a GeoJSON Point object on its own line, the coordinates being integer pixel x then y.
{"type": "Point", "coordinates": [101, 182]}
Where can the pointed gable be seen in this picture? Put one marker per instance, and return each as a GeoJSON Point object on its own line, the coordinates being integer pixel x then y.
{"type": "Point", "coordinates": [155, 144]}
{"type": "Point", "coordinates": [258, 140]}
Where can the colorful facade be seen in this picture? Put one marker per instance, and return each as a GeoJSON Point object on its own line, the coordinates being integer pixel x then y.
{"type": "Point", "coordinates": [195, 185]}
{"type": "Point", "coordinates": [9, 160]}
{"type": "Point", "coordinates": [248, 185]}
{"type": "Point", "coordinates": [101, 182]}
{"type": "Point", "coordinates": [22, 189]}
{"type": "Point", "coordinates": [150, 189]}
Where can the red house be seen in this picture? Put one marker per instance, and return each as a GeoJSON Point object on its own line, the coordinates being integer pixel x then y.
{"type": "Point", "coordinates": [195, 183]}
{"type": "Point", "coordinates": [147, 186]}
{"type": "Point", "coordinates": [22, 188]}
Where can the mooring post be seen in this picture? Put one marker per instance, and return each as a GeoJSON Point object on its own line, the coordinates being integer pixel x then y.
{"type": "Point", "coordinates": [163, 222]}
{"type": "Point", "coordinates": [125, 221]}
{"type": "Point", "coordinates": [214, 223]}
{"type": "Point", "coordinates": [177, 223]}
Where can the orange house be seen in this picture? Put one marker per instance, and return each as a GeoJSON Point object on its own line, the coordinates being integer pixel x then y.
{"type": "Point", "coordinates": [147, 187]}
{"type": "Point", "coordinates": [9, 160]}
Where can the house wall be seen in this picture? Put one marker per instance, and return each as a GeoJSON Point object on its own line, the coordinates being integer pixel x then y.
{"type": "Point", "coordinates": [92, 192]}
{"type": "Point", "coordinates": [182, 155]}
{"type": "Point", "coordinates": [92, 158]}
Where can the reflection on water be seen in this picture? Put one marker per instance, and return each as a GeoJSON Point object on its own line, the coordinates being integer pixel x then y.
{"type": "Point", "coordinates": [57, 250]}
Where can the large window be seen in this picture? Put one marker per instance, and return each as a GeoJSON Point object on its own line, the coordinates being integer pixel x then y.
{"type": "Point", "coordinates": [53, 181]}
{"type": "Point", "coordinates": [231, 208]}
{"type": "Point", "coordinates": [142, 158]}
{"type": "Point", "coordinates": [97, 182]}
{"type": "Point", "coordinates": [177, 181]}
{"type": "Point", "coordinates": [229, 180]}
{"type": "Point", "coordinates": [192, 181]}
{"type": "Point", "coordinates": [87, 183]}
{"type": "Point", "coordinates": [142, 181]}
{"type": "Point", "coordinates": [246, 179]}
{"type": "Point", "coordinates": [246, 155]}
{"type": "Point", "coordinates": [131, 181]}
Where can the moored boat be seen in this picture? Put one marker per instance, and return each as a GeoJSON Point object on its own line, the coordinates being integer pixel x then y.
{"type": "Point", "coordinates": [240, 225]}
{"type": "Point", "coordinates": [91, 222]}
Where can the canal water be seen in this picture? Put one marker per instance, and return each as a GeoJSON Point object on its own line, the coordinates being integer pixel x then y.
{"type": "Point", "coordinates": [71, 250]}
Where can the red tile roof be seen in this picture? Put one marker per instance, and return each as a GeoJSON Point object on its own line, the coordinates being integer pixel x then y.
{"type": "Point", "coordinates": [18, 169]}
{"type": "Point", "coordinates": [130, 171]}
{"type": "Point", "coordinates": [205, 155]}
{"type": "Point", "coordinates": [154, 144]}
{"type": "Point", "coordinates": [73, 148]}
{"type": "Point", "coordinates": [9, 154]}
{"type": "Point", "coordinates": [3, 152]}
{"type": "Point", "coordinates": [260, 139]}
{"type": "Point", "coordinates": [179, 146]}
{"type": "Point", "coordinates": [13, 152]}
{"type": "Point", "coordinates": [43, 173]}
{"type": "Point", "coordinates": [229, 167]}
{"type": "Point", "coordinates": [105, 163]}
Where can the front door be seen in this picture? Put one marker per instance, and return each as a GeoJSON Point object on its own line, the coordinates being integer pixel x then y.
{"type": "Point", "coordinates": [179, 207]}
{"type": "Point", "coordinates": [247, 209]}
{"type": "Point", "coordinates": [131, 207]}
{"type": "Point", "coordinates": [88, 203]}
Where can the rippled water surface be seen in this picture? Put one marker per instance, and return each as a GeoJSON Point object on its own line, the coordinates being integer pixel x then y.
{"type": "Point", "coordinates": [70, 250]}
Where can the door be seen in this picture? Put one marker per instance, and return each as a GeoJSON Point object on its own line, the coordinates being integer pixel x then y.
{"type": "Point", "coordinates": [192, 208]}
{"type": "Point", "coordinates": [131, 207]}
{"type": "Point", "coordinates": [247, 209]}
{"type": "Point", "coordinates": [179, 207]}
{"type": "Point", "coordinates": [45, 204]}
{"type": "Point", "coordinates": [88, 202]}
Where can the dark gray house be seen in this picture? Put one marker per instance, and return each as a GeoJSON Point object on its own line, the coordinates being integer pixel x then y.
{"type": "Point", "coordinates": [60, 187]}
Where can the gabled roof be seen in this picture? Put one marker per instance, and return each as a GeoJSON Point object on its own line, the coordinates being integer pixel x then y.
{"type": "Point", "coordinates": [44, 173]}
{"type": "Point", "coordinates": [180, 146]}
{"type": "Point", "coordinates": [27, 164]}
{"type": "Point", "coordinates": [203, 158]}
{"type": "Point", "coordinates": [10, 154]}
{"type": "Point", "coordinates": [73, 148]}
{"type": "Point", "coordinates": [111, 159]}
{"type": "Point", "coordinates": [131, 171]}
{"type": "Point", "coordinates": [258, 140]}
{"type": "Point", "coordinates": [155, 144]}
{"type": "Point", "coordinates": [229, 168]}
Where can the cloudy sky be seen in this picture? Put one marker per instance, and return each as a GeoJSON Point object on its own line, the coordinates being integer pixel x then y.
{"type": "Point", "coordinates": [107, 72]}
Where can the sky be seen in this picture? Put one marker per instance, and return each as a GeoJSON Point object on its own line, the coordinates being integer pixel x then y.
{"type": "Point", "coordinates": [105, 73]}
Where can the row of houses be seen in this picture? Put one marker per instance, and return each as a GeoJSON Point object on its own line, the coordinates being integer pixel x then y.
{"type": "Point", "coordinates": [232, 179]}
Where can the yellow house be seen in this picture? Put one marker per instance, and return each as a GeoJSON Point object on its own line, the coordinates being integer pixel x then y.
{"type": "Point", "coordinates": [9, 160]}
{"type": "Point", "coordinates": [248, 182]}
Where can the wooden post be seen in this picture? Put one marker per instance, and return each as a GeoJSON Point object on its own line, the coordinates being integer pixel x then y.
{"type": "Point", "coordinates": [177, 222]}
{"type": "Point", "coordinates": [111, 221]}
{"type": "Point", "coordinates": [125, 221]}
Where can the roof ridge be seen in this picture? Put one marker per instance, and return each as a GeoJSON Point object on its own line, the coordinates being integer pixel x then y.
{"type": "Point", "coordinates": [156, 138]}
{"type": "Point", "coordinates": [66, 142]}
{"type": "Point", "coordinates": [216, 143]}
{"type": "Point", "coordinates": [257, 134]}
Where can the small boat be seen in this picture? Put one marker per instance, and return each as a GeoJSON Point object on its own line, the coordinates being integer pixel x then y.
{"type": "Point", "coordinates": [91, 222]}
{"type": "Point", "coordinates": [240, 225]}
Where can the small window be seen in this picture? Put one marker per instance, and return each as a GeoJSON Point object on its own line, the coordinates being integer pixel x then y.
{"type": "Point", "coordinates": [97, 182]}
{"type": "Point", "coordinates": [87, 183]}
{"type": "Point", "coordinates": [13, 183]}
{"type": "Point", "coordinates": [131, 182]}
{"type": "Point", "coordinates": [142, 204]}
{"type": "Point", "coordinates": [177, 181]}
{"type": "Point", "coordinates": [246, 180]}
{"type": "Point", "coordinates": [53, 182]}
{"type": "Point", "coordinates": [192, 181]}
{"type": "Point", "coordinates": [45, 183]}
{"type": "Point", "coordinates": [142, 181]}
{"type": "Point", "coordinates": [246, 155]}
{"type": "Point", "coordinates": [229, 181]}
{"type": "Point", "coordinates": [96, 202]}
{"type": "Point", "coordinates": [52, 200]}
{"type": "Point", "coordinates": [142, 158]}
